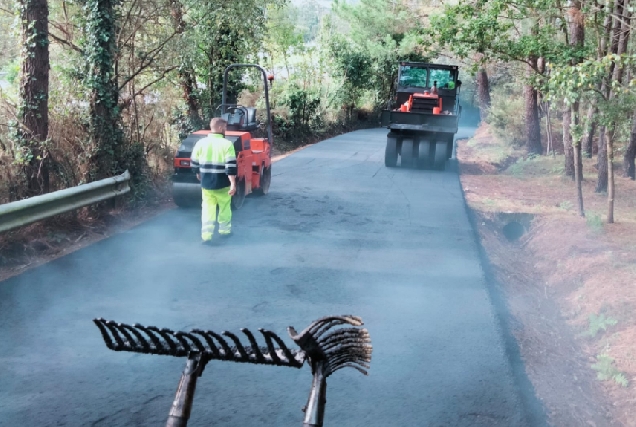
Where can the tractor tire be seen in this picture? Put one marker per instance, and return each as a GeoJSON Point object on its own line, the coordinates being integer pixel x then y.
{"type": "Point", "coordinates": [184, 199]}
{"type": "Point", "coordinates": [391, 153]}
{"type": "Point", "coordinates": [239, 197]}
{"type": "Point", "coordinates": [424, 154]}
{"type": "Point", "coordinates": [265, 181]}
{"type": "Point", "coordinates": [407, 153]}
{"type": "Point", "coordinates": [441, 150]}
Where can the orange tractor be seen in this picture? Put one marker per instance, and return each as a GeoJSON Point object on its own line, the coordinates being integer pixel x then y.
{"type": "Point", "coordinates": [253, 155]}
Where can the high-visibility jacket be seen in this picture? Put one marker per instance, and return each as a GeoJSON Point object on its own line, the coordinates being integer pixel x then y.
{"type": "Point", "coordinates": [214, 158]}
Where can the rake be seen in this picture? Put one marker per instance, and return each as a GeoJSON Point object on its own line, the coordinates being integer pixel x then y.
{"type": "Point", "coordinates": [328, 344]}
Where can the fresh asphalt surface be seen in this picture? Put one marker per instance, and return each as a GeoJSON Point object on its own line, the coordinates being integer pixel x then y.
{"type": "Point", "coordinates": [338, 234]}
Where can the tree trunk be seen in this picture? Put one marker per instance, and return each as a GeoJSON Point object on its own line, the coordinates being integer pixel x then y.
{"type": "Point", "coordinates": [533, 125]}
{"type": "Point", "coordinates": [578, 168]}
{"type": "Point", "coordinates": [630, 154]}
{"type": "Point", "coordinates": [567, 142]}
{"type": "Point", "coordinates": [577, 37]}
{"type": "Point", "coordinates": [610, 178]}
{"type": "Point", "coordinates": [590, 130]}
{"type": "Point", "coordinates": [601, 180]}
{"type": "Point", "coordinates": [34, 92]}
{"type": "Point", "coordinates": [188, 85]}
{"type": "Point", "coordinates": [105, 130]}
{"type": "Point", "coordinates": [483, 90]}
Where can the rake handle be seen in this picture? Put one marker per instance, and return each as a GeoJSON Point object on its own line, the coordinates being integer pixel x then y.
{"type": "Point", "coordinates": [182, 404]}
{"type": "Point", "coordinates": [315, 409]}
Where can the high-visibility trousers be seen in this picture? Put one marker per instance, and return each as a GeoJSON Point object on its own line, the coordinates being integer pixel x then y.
{"type": "Point", "coordinates": [212, 199]}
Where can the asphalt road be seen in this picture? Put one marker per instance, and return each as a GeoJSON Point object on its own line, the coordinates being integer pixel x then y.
{"type": "Point", "coordinates": [339, 233]}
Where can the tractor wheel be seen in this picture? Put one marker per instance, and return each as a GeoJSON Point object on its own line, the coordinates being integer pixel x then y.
{"type": "Point", "coordinates": [239, 197]}
{"type": "Point", "coordinates": [183, 199]}
{"type": "Point", "coordinates": [390, 153]}
{"type": "Point", "coordinates": [424, 154]}
{"type": "Point", "coordinates": [265, 181]}
{"type": "Point", "coordinates": [441, 150]}
{"type": "Point", "coordinates": [408, 158]}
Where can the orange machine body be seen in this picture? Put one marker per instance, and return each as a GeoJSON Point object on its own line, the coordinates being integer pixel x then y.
{"type": "Point", "coordinates": [252, 156]}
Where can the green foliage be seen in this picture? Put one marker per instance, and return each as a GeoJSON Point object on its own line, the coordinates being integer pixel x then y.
{"type": "Point", "coordinates": [518, 168]}
{"type": "Point", "coordinates": [606, 370]}
{"type": "Point", "coordinates": [566, 205]}
{"type": "Point", "coordinates": [13, 70]}
{"type": "Point", "coordinates": [599, 323]}
{"type": "Point", "coordinates": [506, 116]}
{"type": "Point", "coordinates": [377, 35]}
{"type": "Point", "coordinates": [594, 221]}
{"type": "Point", "coordinates": [504, 30]}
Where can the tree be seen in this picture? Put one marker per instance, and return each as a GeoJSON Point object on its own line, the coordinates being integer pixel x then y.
{"type": "Point", "coordinates": [483, 93]}
{"type": "Point", "coordinates": [575, 82]}
{"type": "Point", "coordinates": [104, 117]}
{"type": "Point", "coordinates": [33, 112]}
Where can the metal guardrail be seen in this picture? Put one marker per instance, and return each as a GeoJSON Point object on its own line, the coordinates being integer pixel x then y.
{"type": "Point", "coordinates": [27, 211]}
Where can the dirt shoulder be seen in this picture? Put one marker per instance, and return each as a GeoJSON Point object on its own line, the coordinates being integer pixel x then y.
{"type": "Point", "coordinates": [569, 282]}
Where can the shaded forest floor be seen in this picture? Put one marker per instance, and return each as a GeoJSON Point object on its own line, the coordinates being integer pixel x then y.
{"type": "Point", "coordinates": [569, 282]}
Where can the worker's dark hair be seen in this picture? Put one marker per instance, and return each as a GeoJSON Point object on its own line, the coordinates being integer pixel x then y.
{"type": "Point", "coordinates": [218, 125]}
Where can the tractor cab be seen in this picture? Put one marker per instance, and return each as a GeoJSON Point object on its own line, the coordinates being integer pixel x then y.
{"type": "Point", "coordinates": [427, 88]}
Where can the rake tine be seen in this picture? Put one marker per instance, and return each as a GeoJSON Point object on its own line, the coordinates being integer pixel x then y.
{"type": "Point", "coordinates": [198, 344]}
{"type": "Point", "coordinates": [255, 348]}
{"type": "Point", "coordinates": [105, 335]}
{"type": "Point", "coordinates": [350, 365]}
{"type": "Point", "coordinates": [288, 354]}
{"type": "Point", "coordinates": [209, 341]}
{"type": "Point", "coordinates": [115, 333]}
{"type": "Point", "coordinates": [163, 334]}
{"type": "Point", "coordinates": [270, 345]}
{"type": "Point", "coordinates": [185, 345]}
{"type": "Point", "coordinates": [237, 342]}
{"type": "Point", "coordinates": [229, 354]}
{"type": "Point", "coordinates": [155, 341]}
{"type": "Point", "coordinates": [141, 340]}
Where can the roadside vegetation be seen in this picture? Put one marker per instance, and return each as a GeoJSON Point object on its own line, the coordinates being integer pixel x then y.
{"type": "Point", "coordinates": [91, 88]}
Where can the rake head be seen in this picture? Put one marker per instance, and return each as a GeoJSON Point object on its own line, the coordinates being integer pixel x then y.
{"type": "Point", "coordinates": [336, 347]}
{"type": "Point", "coordinates": [208, 344]}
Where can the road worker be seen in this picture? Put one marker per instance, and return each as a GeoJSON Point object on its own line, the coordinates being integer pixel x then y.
{"type": "Point", "coordinates": [214, 161]}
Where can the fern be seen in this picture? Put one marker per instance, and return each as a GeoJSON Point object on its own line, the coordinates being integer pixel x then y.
{"type": "Point", "coordinates": [599, 323]}
{"type": "Point", "coordinates": [621, 380]}
{"type": "Point", "coordinates": [605, 370]}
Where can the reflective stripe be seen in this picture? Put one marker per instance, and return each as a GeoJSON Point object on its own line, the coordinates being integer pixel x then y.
{"type": "Point", "coordinates": [228, 159]}
{"type": "Point", "coordinates": [225, 227]}
{"type": "Point", "coordinates": [206, 170]}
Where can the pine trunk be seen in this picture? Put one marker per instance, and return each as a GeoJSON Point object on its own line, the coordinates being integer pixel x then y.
{"type": "Point", "coordinates": [567, 142]}
{"type": "Point", "coordinates": [601, 180]}
{"type": "Point", "coordinates": [590, 130]}
{"type": "Point", "coordinates": [578, 168]}
{"type": "Point", "coordinates": [105, 130]}
{"type": "Point", "coordinates": [630, 154]}
{"type": "Point", "coordinates": [483, 90]}
{"type": "Point", "coordinates": [34, 92]}
{"type": "Point", "coordinates": [610, 178]}
{"type": "Point", "coordinates": [533, 125]}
